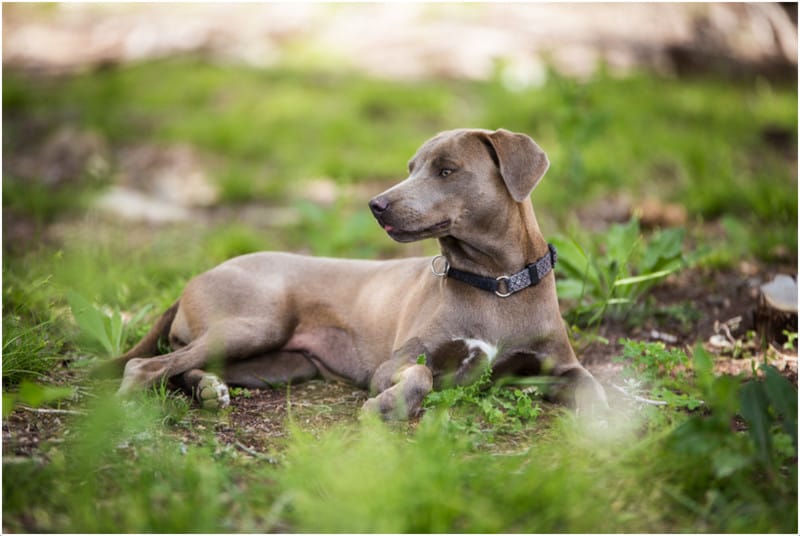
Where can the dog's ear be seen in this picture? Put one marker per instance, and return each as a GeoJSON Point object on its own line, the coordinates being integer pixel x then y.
{"type": "Point", "coordinates": [522, 163]}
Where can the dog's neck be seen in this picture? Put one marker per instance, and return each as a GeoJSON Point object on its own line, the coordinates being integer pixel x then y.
{"type": "Point", "coordinates": [509, 243]}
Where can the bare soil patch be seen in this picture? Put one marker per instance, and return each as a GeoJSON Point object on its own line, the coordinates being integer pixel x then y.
{"type": "Point", "coordinates": [258, 419]}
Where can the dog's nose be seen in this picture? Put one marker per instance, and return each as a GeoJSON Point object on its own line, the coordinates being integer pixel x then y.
{"type": "Point", "coordinates": [378, 205]}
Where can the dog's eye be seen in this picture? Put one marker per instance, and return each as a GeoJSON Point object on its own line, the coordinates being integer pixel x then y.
{"type": "Point", "coordinates": [445, 172]}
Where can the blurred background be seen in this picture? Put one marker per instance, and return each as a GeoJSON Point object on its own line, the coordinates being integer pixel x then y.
{"type": "Point", "coordinates": [282, 115]}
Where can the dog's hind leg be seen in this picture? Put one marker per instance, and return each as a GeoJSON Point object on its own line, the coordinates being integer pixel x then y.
{"type": "Point", "coordinates": [141, 372]}
{"type": "Point", "coordinates": [182, 368]}
{"type": "Point", "coordinates": [269, 369]}
{"type": "Point", "coordinates": [227, 341]}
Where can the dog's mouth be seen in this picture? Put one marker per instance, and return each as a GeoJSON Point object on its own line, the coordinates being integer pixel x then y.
{"type": "Point", "coordinates": [402, 235]}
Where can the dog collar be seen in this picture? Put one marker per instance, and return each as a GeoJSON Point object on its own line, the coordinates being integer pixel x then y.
{"type": "Point", "coordinates": [505, 285]}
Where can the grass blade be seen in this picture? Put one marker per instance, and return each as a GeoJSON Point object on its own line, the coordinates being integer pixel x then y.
{"type": "Point", "coordinates": [645, 277]}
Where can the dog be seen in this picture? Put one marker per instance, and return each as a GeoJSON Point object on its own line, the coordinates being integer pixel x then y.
{"type": "Point", "coordinates": [399, 328]}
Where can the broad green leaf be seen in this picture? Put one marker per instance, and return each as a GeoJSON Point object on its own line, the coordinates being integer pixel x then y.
{"type": "Point", "coordinates": [754, 408]}
{"type": "Point", "coordinates": [783, 397]}
{"type": "Point", "coordinates": [9, 403]}
{"type": "Point", "coordinates": [36, 395]}
{"type": "Point", "coordinates": [663, 247]}
{"type": "Point", "coordinates": [116, 329]}
{"type": "Point", "coordinates": [726, 462]}
{"type": "Point", "coordinates": [89, 319]}
{"type": "Point", "coordinates": [703, 368]}
{"type": "Point", "coordinates": [571, 289]}
{"type": "Point", "coordinates": [572, 260]}
{"type": "Point", "coordinates": [621, 242]}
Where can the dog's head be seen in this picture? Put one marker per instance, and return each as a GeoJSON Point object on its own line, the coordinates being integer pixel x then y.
{"type": "Point", "coordinates": [460, 179]}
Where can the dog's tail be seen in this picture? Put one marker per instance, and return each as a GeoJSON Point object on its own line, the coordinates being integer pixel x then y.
{"type": "Point", "coordinates": [147, 347]}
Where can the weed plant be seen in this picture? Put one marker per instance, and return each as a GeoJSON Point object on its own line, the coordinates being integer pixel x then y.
{"type": "Point", "coordinates": [104, 329]}
{"type": "Point", "coordinates": [483, 409]}
{"type": "Point", "coordinates": [612, 276]}
{"type": "Point", "coordinates": [661, 371]}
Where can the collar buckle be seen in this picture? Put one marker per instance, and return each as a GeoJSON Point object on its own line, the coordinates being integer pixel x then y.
{"type": "Point", "coordinates": [503, 280]}
{"type": "Point", "coordinates": [445, 269]}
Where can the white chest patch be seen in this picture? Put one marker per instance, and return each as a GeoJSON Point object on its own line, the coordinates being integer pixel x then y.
{"type": "Point", "coordinates": [477, 345]}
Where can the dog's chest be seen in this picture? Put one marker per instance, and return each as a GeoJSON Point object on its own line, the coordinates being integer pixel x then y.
{"type": "Point", "coordinates": [462, 360]}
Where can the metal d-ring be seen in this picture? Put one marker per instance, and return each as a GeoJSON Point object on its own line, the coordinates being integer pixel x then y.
{"type": "Point", "coordinates": [444, 271]}
{"type": "Point", "coordinates": [503, 294]}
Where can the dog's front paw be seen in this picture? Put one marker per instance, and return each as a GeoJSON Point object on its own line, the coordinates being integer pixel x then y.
{"type": "Point", "coordinates": [403, 401]}
{"type": "Point", "coordinates": [591, 401]}
{"type": "Point", "coordinates": [212, 393]}
{"type": "Point", "coordinates": [391, 406]}
{"type": "Point", "coordinates": [371, 406]}
{"type": "Point", "coordinates": [384, 407]}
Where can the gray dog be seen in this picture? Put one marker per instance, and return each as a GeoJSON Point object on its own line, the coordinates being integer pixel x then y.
{"type": "Point", "coordinates": [489, 299]}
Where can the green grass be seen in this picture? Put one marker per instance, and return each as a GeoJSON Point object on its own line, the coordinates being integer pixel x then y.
{"type": "Point", "coordinates": [32, 340]}
{"type": "Point", "coordinates": [493, 460]}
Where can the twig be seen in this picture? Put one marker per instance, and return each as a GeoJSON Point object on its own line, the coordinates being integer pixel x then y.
{"type": "Point", "coordinates": [85, 392]}
{"type": "Point", "coordinates": [53, 411]}
{"type": "Point", "coordinates": [639, 398]}
{"type": "Point", "coordinates": [23, 459]}
{"type": "Point", "coordinates": [254, 453]}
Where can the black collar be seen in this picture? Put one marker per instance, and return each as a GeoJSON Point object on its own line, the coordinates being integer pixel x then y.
{"type": "Point", "coordinates": [505, 285]}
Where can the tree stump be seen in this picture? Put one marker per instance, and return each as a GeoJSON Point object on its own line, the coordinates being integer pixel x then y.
{"type": "Point", "coordinates": [776, 313]}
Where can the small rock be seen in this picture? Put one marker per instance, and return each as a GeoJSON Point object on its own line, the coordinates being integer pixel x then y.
{"type": "Point", "coordinates": [132, 205]}
{"type": "Point", "coordinates": [66, 156]}
{"type": "Point", "coordinates": [599, 215]}
{"type": "Point", "coordinates": [748, 268]}
{"type": "Point", "coordinates": [322, 191]}
{"type": "Point", "coordinates": [661, 336]}
{"type": "Point", "coordinates": [720, 342]}
{"type": "Point", "coordinates": [174, 174]}
{"type": "Point", "coordinates": [654, 212]}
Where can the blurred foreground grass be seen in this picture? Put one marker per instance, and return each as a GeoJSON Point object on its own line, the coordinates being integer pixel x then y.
{"type": "Point", "coordinates": [150, 465]}
{"type": "Point", "coordinates": [725, 151]}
